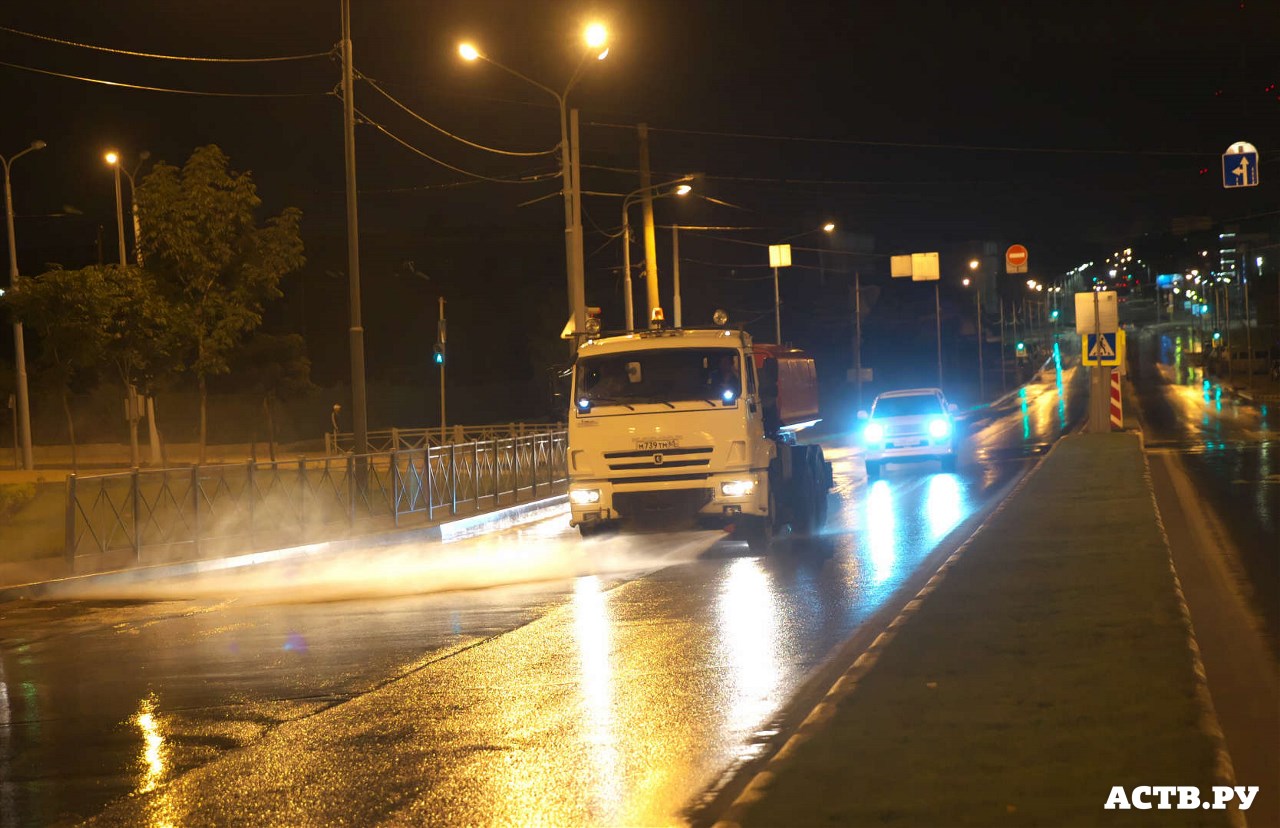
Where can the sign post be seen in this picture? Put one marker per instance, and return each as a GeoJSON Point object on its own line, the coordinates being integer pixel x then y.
{"type": "Point", "coordinates": [1096, 317]}
{"type": "Point", "coordinates": [779, 256]}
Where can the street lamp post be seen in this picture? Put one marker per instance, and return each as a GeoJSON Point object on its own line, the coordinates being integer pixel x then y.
{"type": "Point", "coordinates": [20, 354]}
{"type": "Point", "coordinates": [982, 382]}
{"type": "Point", "coordinates": [113, 158]}
{"type": "Point", "coordinates": [681, 188]}
{"type": "Point", "coordinates": [828, 227]}
{"type": "Point", "coordinates": [596, 37]}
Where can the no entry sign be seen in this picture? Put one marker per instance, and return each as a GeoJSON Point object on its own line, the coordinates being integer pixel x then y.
{"type": "Point", "coordinates": [1015, 259]}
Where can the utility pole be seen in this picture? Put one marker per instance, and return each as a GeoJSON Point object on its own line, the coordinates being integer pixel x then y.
{"type": "Point", "coordinates": [982, 381]}
{"type": "Point", "coordinates": [1004, 380]}
{"type": "Point", "coordinates": [360, 414]}
{"type": "Point", "coordinates": [442, 337]}
{"type": "Point", "coordinates": [675, 271]}
{"type": "Point", "coordinates": [857, 338]}
{"type": "Point", "coordinates": [579, 257]}
{"type": "Point", "coordinates": [22, 401]}
{"type": "Point", "coordinates": [937, 311]}
{"type": "Point", "coordinates": [650, 240]}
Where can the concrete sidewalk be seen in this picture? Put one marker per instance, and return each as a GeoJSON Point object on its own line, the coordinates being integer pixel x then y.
{"type": "Point", "coordinates": [1051, 659]}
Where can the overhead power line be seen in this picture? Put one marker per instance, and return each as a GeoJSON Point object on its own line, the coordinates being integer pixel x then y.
{"type": "Point", "coordinates": [151, 55]}
{"type": "Point", "coordinates": [528, 179]}
{"type": "Point", "coordinates": [203, 93]}
{"type": "Point", "coordinates": [901, 144]}
{"type": "Point", "coordinates": [378, 87]}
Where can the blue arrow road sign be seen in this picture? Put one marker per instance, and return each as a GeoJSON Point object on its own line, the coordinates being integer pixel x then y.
{"type": "Point", "coordinates": [1240, 166]}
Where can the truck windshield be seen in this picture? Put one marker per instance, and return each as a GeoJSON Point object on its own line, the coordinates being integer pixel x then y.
{"type": "Point", "coordinates": [663, 375]}
{"type": "Point", "coordinates": [912, 406]}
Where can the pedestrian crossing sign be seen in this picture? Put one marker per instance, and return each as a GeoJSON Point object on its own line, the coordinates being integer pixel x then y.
{"type": "Point", "coordinates": [1104, 349]}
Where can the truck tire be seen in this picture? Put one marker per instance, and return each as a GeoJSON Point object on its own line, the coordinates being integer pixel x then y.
{"type": "Point", "coordinates": [804, 491]}
{"type": "Point", "coordinates": [590, 530]}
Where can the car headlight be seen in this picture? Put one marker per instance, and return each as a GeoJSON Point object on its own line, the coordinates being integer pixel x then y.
{"type": "Point", "coordinates": [582, 497]}
{"type": "Point", "coordinates": [737, 488]}
{"type": "Point", "coordinates": [874, 433]}
{"type": "Point", "coordinates": [939, 428]}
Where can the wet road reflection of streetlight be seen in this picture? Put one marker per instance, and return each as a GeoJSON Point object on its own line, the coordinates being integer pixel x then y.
{"type": "Point", "coordinates": [591, 625]}
{"type": "Point", "coordinates": [880, 530]}
{"type": "Point", "coordinates": [152, 758]}
{"type": "Point", "coordinates": [748, 618]}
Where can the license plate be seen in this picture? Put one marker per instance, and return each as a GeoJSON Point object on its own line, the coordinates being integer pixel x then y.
{"type": "Point", "coordinates": [657, 445]}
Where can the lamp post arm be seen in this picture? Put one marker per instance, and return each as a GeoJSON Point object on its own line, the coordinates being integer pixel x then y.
{"type": "Point", "coordinates": [553, 93]}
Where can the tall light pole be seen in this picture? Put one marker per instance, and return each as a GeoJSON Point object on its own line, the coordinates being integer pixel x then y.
{"type": "Point", "coordinates": [113, 158]}
{"type": "Point", "coordinates": [828, 227]}
{"type": "Point", "coordinates": [20, 354]}
{"type": "Point", "coordinates": [596, 38]}
{"type": "Point", "coordinates": [355, 331]}
{"type": "Point", "coordinates": [974, 264]}
{"type": "Point", "coordinates": [681, 188]}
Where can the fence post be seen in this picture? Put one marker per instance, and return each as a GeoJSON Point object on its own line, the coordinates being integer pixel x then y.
{"type": "Point", "coordinates": [137, 518]}
{"type": "Point", "coordinates": [515, 469]}
{"type": "Point", "coordinates": [395, 438]}
{"type": "Point", "coordinates": [395, 486]}
{"type": "Point", "coordinates": [71, 521]}
{"type": "Point", "coordinates": [453, 477]}
{"type": "Point", "coordinates": [475, 470]}
{"type": "Point", "coordinates": [430, 478]}
{"type": "Point", "coordinates": [533, 444]}
{"type": "Point", "coordinates": [351, 490]}
{"type": "Point", "coordinates": [252, 491]}
{"type": "Point", "coordinates": [195, 508]}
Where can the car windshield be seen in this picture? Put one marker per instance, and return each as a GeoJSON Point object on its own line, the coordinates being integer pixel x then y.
{"type": "Point", "coordinates": [660, 376]}
{"type": "Point", "coordinates": [912, 406]}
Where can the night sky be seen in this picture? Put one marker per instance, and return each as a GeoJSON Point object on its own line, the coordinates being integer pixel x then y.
{"type": "Point", "coordinates": [914, 125]}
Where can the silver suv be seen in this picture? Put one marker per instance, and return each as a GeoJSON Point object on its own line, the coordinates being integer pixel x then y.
{"type": "Point", "coordinates": [908, 426]}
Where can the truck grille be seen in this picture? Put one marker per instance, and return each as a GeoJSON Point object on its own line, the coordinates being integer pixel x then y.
{"type": "Point", "coordinates": [639, 504]}
{"type": "Point", "coordinates": [673, 458]}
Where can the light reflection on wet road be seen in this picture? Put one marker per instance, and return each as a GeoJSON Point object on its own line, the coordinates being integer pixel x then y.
{"type": "Point", "coordinates": [611, 691]}
{"type": "Point", "coordinates": [1227, 447]}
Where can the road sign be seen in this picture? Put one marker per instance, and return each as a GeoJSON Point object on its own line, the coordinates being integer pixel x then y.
{"type": "Point", "coordinates": [900, 266]}
{"type": "Point", "coordinates": [1240, 166]}
{"type": "Point", "coordinates": [779, 255]}
{"type": "Point", "coordinates": [1101, 350]}
{"type": "Point", "coordinates": [1107, 309]}
{"type": "Point", "coordinates": [1015, 259]}
{"type": "Point", "coordinates": [924, 267]}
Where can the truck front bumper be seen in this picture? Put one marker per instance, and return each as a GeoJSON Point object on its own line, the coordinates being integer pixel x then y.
{"type": "Point", "coordinates": [718, 495]}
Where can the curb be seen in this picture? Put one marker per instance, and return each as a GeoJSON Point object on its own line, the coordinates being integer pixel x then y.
{"type": "Point", "coordinates": [445, 532]}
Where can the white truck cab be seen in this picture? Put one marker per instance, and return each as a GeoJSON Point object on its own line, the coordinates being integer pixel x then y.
{"type": "Point", "coordinates": [668, 424]}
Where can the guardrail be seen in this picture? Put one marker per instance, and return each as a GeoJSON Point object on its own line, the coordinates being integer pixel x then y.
{"type": "Point", "coordinates": [213, 511]}
{"type": "Point", "coordinates": [401, 439]}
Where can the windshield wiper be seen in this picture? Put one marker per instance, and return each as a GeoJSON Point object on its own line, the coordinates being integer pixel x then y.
{"type": "Point", "coordinates": [654, 400]}
{"type": "Point", "coordinates": [610, 401]}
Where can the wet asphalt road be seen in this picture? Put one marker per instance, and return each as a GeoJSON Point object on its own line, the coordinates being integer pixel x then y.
{"type": "Point", "coordinates": [1228, 449]}
{"type": "Point", "coordinates": [603, 681]}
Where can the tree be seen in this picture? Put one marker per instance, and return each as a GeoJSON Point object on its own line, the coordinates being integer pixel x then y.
{"type": "Point", "coordinates": [276, 367]}
{"type": "Point", "coordinates": [217, 265]}
{"type": "Point", "coordinates": [86, 318]}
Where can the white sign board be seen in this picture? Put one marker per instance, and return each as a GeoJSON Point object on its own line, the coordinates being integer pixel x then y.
{"type": "Point", "coordinates": [1108, 312]}
{"type": "Point", "coordinates": [779, 255]}
{"type": "Point", "coordinates": [900, 266]}
{"type": "Point", "coordinates": [924, 267]}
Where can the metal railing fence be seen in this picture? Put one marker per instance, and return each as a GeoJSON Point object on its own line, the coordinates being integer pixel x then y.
{"type": "Point", "coordinates": [211, 511]}
{"type": "Point", "coordinates": [400, 439]}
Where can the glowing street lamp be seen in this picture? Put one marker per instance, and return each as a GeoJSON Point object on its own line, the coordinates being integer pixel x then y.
{"type": "Point", "coordinates": [829, 227]}
{"type": "Point", "coordinates": [595, 36]}
{"type": "Point", "coordinates": [113, 159]}
{"type": "Point", "coordinates": [682, 187]}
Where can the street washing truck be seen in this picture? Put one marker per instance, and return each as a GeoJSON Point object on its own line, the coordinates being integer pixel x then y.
{"type": "Point", "coordinates": [668, 425]}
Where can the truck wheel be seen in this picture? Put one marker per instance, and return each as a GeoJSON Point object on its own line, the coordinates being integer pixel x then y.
{"type": "Point", "coordinates": [822, 485]}
{"type": "Point", "coordinates": [874, 470]}
{"type": "Point", "coordinates": [804, 493]}
{"type": "Point", "coordinates": [588, 530]}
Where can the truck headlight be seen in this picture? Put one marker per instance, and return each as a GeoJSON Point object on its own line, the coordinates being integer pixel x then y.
{"type": "Point", "coordinates": [939, 428]}
{"type": "Point", "coordinates": [874, 433]}
{"type": "Point", "coordinates": [583, 497]}
{"type": "Point", "coordinates": [737, 488]}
